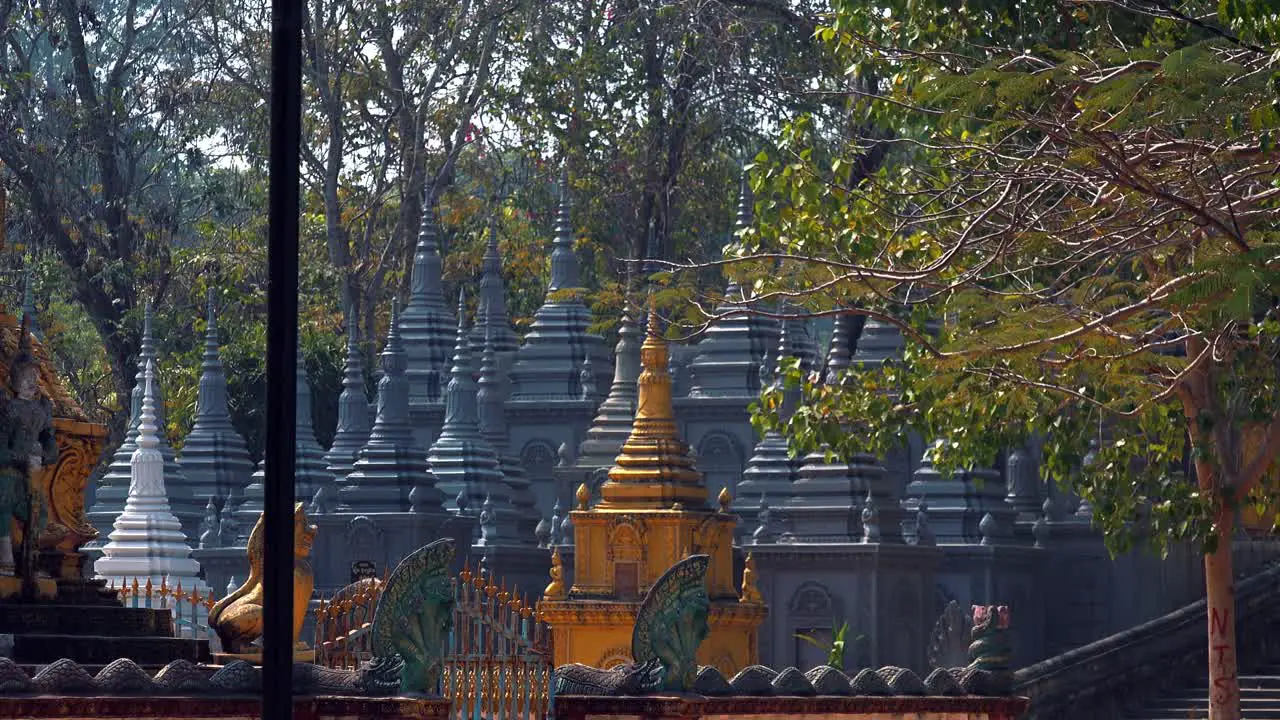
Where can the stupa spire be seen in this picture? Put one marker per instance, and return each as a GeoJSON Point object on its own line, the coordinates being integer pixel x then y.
{"type": "Point", "coordinates": [391, 468]}
{"type": "Point", "coordinates": [654, 469]}
{"type": "Point", "coordinates": [353, 410]}
{"type": "Point", "coordinates": [742, 222]}
{"type": "Point", "coordinates": [840, 352]}
{"type": "Point", "coordinates": [564, 263]}
{"type": "Point", "coordinates": [426, 325]}
{"type": "Point", "coordinates": [147, 540]}
{"type": "Point", "coordinates": [491, 313]}
{"type": "Point", "coordinates": [766, 481]}
{"type": "Point", "coordinates": [215, 458]}
{"type": "Point", "coordinates": [311, 470]}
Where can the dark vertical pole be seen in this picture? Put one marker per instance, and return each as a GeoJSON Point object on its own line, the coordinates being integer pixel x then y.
{"type": "Point", "coordinates": [282, 333]}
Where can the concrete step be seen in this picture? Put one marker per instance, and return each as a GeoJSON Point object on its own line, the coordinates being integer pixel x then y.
{"type": "Point", "coordinates": [85, 620]}
{"type": "Point", "coordinates": [29, 649]}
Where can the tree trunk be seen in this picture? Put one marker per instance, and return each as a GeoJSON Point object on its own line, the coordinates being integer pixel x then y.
{"type": "Point", "coordinates": [1220, 588]}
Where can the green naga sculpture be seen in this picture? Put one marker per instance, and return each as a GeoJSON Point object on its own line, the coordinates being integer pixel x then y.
{"type": "Point", "coordinates": [415, 616]}
{"type": "Point", "coordinates": [670, 625]}
{"type": "Point", "coordinates": [672, 622]}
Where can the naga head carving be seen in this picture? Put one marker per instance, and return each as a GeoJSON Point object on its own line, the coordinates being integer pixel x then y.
{"type": "Point", "coordinates": [415, 616]}
{"type": "Point", "coordinates": [673, 621]}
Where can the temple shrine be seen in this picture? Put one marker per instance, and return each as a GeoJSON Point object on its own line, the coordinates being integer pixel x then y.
{"type": "Point", "coordinates": [652, 514]}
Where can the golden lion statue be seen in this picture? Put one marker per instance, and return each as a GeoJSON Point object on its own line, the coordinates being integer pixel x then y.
{"type": "Point", "coordinates": [237, 618]}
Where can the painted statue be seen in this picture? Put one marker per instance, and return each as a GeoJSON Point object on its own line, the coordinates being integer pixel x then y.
{"type": "Point", "coordinates": [414, 617]}
{"type": "Point", "coordinates": [237, 618]}
{"type": "Point", "coordinates": [990, 647]}
{"type": "Point", "coordinates": [670, 626]}
{"type": "Point", "coordinates": [27, 445]}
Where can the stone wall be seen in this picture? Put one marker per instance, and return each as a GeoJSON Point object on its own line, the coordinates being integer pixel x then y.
{"type": "Point", "coordinates": [218, 708]}
{"type": "Point", "coordinates": [792, 708]}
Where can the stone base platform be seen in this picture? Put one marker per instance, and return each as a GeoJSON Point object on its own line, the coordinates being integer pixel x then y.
{"type": "Point", "coordinates": [30, 649]}
{"type": "Point", "coordinates": [219, 708]}
{"type": "Point", "coordinates": [42, 632]}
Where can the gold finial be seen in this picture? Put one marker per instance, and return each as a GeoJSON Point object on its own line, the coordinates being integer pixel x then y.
{"type": "Point", "coordinates": [555, 589]}
{"type": "Point", "coordinates": [654, 469]}
{"type": "Point", "coordinates": [584, 496]}
{"type": "Point", "coordinates": [724, 498]}
{"type": "Point", "coordinates": [750, 593]}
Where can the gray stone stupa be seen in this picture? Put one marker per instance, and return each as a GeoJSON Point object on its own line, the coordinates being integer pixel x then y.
{"type": "Point", "coordinates": [426, 326]}
{"type": "Point", "coordinates": [113, 488]}
{"type": "Point", "coordinates": [215, 458]}
{"type": "Point", "coordinates": [311, 470]}
{"type": "Point", "coordinates": [957, 505]}
{"type": "Point", "coordinates": [353, 411]}
{"type": "Point", "coordinates": [463, 462]}
{"type": "Point", "coordinates": [613, 421]}
{"type": "Point", "coordinates": [726, 362]}
{"type": "Point", "coordinates": [547, 365]}
{"type": "Point", "coordinates": [390, 467]}
{"type": "Point", "coordinates": [492, 398]}
{"type": "Point", "coordinates": [826, 497]}
{"type": "Point", "coordinates": [769, 474]}
{"type": "Point", "coordinates": [845, 331]}
{"type": "Point", "coordinates": [491, 312]}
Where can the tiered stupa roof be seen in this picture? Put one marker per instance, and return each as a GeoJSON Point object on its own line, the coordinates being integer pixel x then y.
{"type": "Point", "coordinates": [353, 412]}
{"type": "Point", "coordinates": [491, 313]}
{"type": "Point", "coordinates": [654, 469]}
{"type": "Point", "coordinates": [492, 398]}
{"type": "Point", "coordinates": [426, 326]}
{"type": "Point", "coordinates": [547, 365]}
{"type": "Point", "coordinates": [391, 473]}
{"type": "Point", "coordinates": [215, 458]}
{"type": "Point", "coordinates": [727, 358]}
{"type": "Point", "coordinates": [147, 540]}
{"type": "Point", "coordinates": [613, 423]}
{"type": "Point", "coordinates": [463, 462]}
{"type": "Point", "coordinates": [113, 488]}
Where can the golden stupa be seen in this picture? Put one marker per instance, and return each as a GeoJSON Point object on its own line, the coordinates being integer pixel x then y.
{"type": "Point", "coordinates": [653, 513]}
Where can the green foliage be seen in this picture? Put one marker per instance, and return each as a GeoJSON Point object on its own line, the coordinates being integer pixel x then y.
{"type": "Point", "coordinates": [1075, 228]}
{"type": "Point", "coordinates": [835, 649]}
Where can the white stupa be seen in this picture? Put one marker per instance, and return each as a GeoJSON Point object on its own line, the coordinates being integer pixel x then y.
{"type": "Point", "coordinates": [147, 542]}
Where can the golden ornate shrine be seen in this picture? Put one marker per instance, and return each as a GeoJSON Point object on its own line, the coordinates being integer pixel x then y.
{"type": "Point", "coordinates": [80, 445]}
{"type": "Point", "coordinates": [653, 513]}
